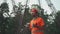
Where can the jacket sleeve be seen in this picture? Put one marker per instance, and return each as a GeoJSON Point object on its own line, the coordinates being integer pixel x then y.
{"type": "Point", "coordinates": [41, 22]}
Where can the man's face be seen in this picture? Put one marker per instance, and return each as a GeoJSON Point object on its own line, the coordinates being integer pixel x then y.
{"type": "Point", "coordinates": [33, 14]}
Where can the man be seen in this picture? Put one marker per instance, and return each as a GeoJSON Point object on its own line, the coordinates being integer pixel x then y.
{"type": "Point", "coordinates": [37, 23]}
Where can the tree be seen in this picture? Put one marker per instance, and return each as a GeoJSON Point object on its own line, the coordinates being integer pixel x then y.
{"type": "Point", "coordinates": [6, 23]}
{"type": "Point", "coordinates": [57, 21]}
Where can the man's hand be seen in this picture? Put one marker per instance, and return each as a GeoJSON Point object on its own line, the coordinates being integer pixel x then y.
{"type": "Point", "coordinates": [35, 25]}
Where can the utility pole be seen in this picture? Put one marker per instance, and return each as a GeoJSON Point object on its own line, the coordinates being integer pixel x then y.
{"type": "Point", "coordinates": [39, 2]}
{"type": "Point", "coordinates": [13, 2]}
{"type": "Point", "coordinates": [5, 1]}
{"type": "Point", "coordinates": [21, 19]}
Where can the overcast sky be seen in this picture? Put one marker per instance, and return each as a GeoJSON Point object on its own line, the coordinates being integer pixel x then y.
{"type": "Point", "coordinates": [44, 5]}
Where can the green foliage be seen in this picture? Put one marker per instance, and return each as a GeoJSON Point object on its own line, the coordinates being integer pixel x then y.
{"type": "Point", "coordinates": [7, 26]}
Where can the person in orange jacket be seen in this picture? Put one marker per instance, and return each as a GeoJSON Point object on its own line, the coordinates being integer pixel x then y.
{"type": "Point", "coordinates": [37, 23]}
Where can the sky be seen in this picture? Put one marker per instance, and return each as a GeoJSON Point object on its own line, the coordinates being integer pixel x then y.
{"type": "Point", "coordinates": [30, 2]}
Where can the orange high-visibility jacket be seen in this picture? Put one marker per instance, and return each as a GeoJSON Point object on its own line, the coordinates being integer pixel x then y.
{"type": "Point", "coordinates": [39, 23]}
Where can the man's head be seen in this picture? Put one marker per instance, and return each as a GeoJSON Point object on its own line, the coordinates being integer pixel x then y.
{"type": "Point", "coordinates": [34, 12]}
